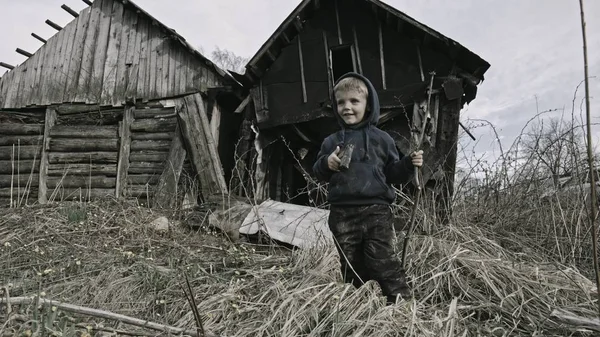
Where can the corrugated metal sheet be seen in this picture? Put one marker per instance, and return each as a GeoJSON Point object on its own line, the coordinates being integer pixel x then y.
{"type": "Point", "coordinates": [110, 53]}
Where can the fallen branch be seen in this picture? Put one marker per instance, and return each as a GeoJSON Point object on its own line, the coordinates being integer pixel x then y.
{"type": "Point", "coordinates": [102, 314]}
{"type": "Point", "coordinates": [569, 318]}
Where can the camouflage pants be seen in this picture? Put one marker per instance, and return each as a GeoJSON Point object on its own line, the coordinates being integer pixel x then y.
{"type": "Point", "coordinates": [363, 236]}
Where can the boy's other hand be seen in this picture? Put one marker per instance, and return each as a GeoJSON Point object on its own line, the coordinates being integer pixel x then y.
{"type": "Point", "coordinates": [417, 158]}
{"type": "Point", "coordinates": [333, 161]}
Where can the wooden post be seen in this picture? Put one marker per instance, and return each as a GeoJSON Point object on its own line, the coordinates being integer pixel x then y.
{"type": "Point", "coordinates": [53, 25]}
{"type": "Point", "coordinates": [39, 37]}
{"type": "Point", "coordinates": [43, 175]}
{"type": "Point", "coordinates": [357, 50]}
{"type": "Point", "coordinates": [166, 189]}
{"type": "Point", "coordinates": [24, 52]}
{"type": "Point", "coordinates": [381, 57]}
{"type": "Point", "coordinates": [124, 151]}
{"type": "Point", "coordinates": [7, 66]}
{"type": "Point", "coordinates": [337, 20]}
{"type": "Point", "coordinates": [302, 77]}
{"type": "Point", "coordinates": [215, 123]}
{"type": "Point", "coordinates": [69, 10]}
{"type": "Point", "coordinates": [328, 63]}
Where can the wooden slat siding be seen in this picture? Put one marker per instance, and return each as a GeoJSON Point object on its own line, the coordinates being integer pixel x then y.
{"type": "Point", "coordinates": [94, 92]}
{"type": "Point", "coordinates": [58, 64]}
{"type": "Point", "coordinates": [112, 55]}
{"type": "Point", "coordinates": [171, 90]}
{"type": "Point", "coordinates": [7, 80]}
{"type": "Point", "coordinates": [163, 66]}
{"type": "Point", "coordinates": [2, 91]}
{"type": "Point", "coordinates": [120, 87]}
{"type": "Point", "coordinates": [133, 56]}
{"type": "Point", "coordinates": [13, 98]}
{"type": "Point", "coordinates": [81, 89]}
{"type": "Point", "coordinates": [11, 75]}
{"type": "Point", "coordinates": [66, 61]}
{"type": "Point", "coordinates": [181, 72]}
{"type": "Point", "coordinates": [154, 59]}
{"type": "Point", "coordinates": [166, 56]}
{"type": "Point", "coordinates": [35, 75]}
{"type": "Point", "coordinates": [142, 78]}
{"type": "Point", "coordinates": [28, 81]}
{"type": "Point", "coordinates": [76, 56]}
{"type": "Point", "coordinates": [189, 74]}
{"type": "Point", "coordinates": [44, 160]}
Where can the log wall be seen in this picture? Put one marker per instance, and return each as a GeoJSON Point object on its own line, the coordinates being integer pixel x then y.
{"type": "Point", "coordinates": [112, 53]}
{"type": "Point", "coordinates": [20, 149]}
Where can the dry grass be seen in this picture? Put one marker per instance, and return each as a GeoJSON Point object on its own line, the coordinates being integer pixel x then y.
{"type": "Point", "coordinates": [104, 255]}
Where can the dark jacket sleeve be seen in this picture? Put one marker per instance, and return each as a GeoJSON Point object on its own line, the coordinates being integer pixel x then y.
{"type": "Point", "coordinates": [320, 168]}
{"type": "Point", "coordinates": [398, 168]}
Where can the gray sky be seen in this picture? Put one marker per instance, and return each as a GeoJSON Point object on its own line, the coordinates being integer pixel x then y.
{"type": "Point", "coordinates": [534, 46]}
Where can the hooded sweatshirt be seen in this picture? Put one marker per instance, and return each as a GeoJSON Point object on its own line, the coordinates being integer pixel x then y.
{"type": "Point", "coordinates": [376, 163]}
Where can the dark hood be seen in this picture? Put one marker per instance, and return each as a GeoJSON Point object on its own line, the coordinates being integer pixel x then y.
{"type": "Point", "coordinates": [372, 113]}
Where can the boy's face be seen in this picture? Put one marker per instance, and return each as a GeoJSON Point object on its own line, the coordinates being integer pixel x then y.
{"type": "Point", "coordinates": [351, 105]}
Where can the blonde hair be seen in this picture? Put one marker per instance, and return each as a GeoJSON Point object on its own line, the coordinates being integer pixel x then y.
{"type": "Point", "coordinates": [351, 83]}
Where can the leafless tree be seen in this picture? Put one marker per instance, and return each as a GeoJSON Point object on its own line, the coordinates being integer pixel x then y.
{"type": "Point", "coordinates": [228, 60]}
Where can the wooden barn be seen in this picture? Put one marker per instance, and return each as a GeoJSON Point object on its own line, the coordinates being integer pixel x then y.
{"type": "Point", "coordinates": [115, 104]}
{"type": "Point", "coordinates": [290, 83]}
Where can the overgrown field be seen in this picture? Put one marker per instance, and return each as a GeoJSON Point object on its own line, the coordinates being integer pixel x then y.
{"type": "Point", "coordinates": [106, 256]}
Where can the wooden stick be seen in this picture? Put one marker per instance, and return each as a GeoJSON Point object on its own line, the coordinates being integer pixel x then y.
{"type": "Point", "coordinates": [70, 11]}
{"type": "Point", "coordinates": [50, 120]}
{"type": "Point", "coordinates": [242, 105]}
{"type": "Point", "coordinates": [53, 25]}
{"type": "Point", "coordinates": [467, 131]}
{"type": "Point", "coordinates": [24, 53]}
{"type": "Point", "coordinates": [381, 57]}
{"type": "Point", "coordinates": [357, 50]}
{"type": "Point", "coordinates": [7, 66]}
{"type": "Point", "coordinates": [101, 314]}
{"type": "Point", "coordinates": [594, 203]}
{"type": "Point", "coordinates": [420, 63]}
{"type": "Point", "coordinates": [88, 2]}
{"type": "Point", "coordinates": [39, 37]}
{"type": "Point", "coordinates": [303, 79]}
{"type": "Point", "coordinates": [337, 20]}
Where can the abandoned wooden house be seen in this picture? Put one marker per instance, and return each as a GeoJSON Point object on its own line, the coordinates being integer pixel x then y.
{"type": "Point", "coordinates": [103, 107]}
{"type": "Point", "coordinates": [290, 83]}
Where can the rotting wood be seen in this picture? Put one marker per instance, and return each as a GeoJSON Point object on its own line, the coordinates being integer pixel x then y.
{"type": "Point", "coordinates": [42, 40]}
{"type": "Point", "coordinates": [6, 180]}
{"type": "Point", "coordinates": [24, 52]}
{"type": "Point", "coordinates": [46, 78]}
{"type": "Point", "coordinates": [215, 123]}
{"type": "Point", "coordinates": [83, 157]}
{"type": "Point", "coordinates": [94, 92]}
{"type": "Point", "coordinates": [243, 105]}
{"type": "Point", "coordinates": [20, 166]}
{"type": "Point", "coordinates": [153, 113]}
{"type": "Point", "coordinates": [70, 11]}
{"type": "Point", "coordinates": [21, 129]}
{"type": "Point", "coordinates": [149, 157]}
{"type": "Point", "coordinates": [112, 55]}
{"type": "Point", "coordinates": [153, 125]}
{"type": "Point", "coordinates": [73, 181]}
{"type": "Point", "coordinates": [54, 25]}
{"type": "Point", "coordinates": [83, 145]}
{"type": "Point", "coordinates": [124, 151]}
{"type": "Point", "coordinates": [25, 152]}
{"type": "Point", "coordinates": [166, 189]}
{"type": "Point", "coordinates": [150, 145]}
{"type": "Point", "coordinates": [45, 158]}
{"type": "Point", "coordinates": [203, 153]}
{"type": "Point", "coordinates": [120, 86]}
{"type": "Point", "coordinates": [7, 66]}
{"type": "Point", "coordinates": [146, 167]}
{"type": "Point", "coordinates": [84, 131]}
{"type": "Point", "coordinates": [152, 136]}
{"type": "Point", "coordinates": [302, 76]}
{"type": "Point", "coordinates": [22, 140]}
{"type": "Point", "coordinates": [381, 56]}
{"type": "Point", "coordinates": [75, 59]}
{"type": "Point", "coordinates": [82, 169]}
{"type": "Point", "coordinates": [56, 84]}
{"type": "Point", "coordinates": [141, 179]}
{"type": "Point", "coordinates": [29, 79]}
{"type": "Point", "coordinates": [82, 83]}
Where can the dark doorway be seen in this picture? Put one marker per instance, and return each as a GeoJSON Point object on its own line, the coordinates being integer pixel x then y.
{"type": "Point", "coordinates": [342, 60]}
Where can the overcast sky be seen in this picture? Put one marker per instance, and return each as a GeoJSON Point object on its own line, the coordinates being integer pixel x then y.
{"type": "Point", "coordinates": [534, 46]}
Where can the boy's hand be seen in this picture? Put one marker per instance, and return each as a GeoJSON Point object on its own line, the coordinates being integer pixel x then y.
{"type": "Point", "coordinates": [417, 158]}
{"type": "Point", "coordinates": [333, 161]}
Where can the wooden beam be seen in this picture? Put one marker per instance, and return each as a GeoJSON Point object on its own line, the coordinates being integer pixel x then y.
{"type": "Point", "coordinates": [124, 151]}
{"type": "Point", "coordinates": [337, 21]}
{"type": "Point", "coordinates": [242, 105]}
{"type": "Point", "coordinates": [70, 11]}
{"type": "Point", "coordinates": [302, 77]}
{"type": "Point", "coordinates": [357, 50]}
{"type": "Point", "coordinates": [166, 189]}
{"type": "Point", "coordinates": [215, 123]}
{"type": "Point", "coordinates": [285, 37]}
{"type": "Point", "coordinates": [24, 53]}
{"type": "Point", "coordinates": [271, 56]}
{"type": "Point", "coordinates": [87, 2]}
{"type": "Point", "coordinates": [329, 71]}
{"type": "Point", "coordinates": [53, 25]}
{"type": "Point", "coordinates": [420, 63]}
{"type": "Point", "coordinates": [381, 57]}
{"type": "Point", "coordinates": [50, 120]}
{"type": "Point", "coordinates": [39, 37]}
{"type": "Point", "coordinates": [7, 66]}
{"type": "Point", "coordinates": [298, 24]}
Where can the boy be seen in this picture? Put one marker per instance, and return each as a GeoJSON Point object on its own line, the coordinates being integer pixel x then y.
{"type": "Point", "coordinates": [360, 217]}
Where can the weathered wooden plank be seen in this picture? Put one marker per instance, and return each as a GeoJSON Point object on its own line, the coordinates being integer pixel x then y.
{"type": "Point", "coordinates": [152, 136]}
{"type": "Point", "coordinates": [171, 74]}
{"type": "Point", "coordinates": [6, 193]}
{"type": "Point", "coordinates": [124, 151]}
{"type": "Point", "coordinates": [13, 90]}
{"type": "Point", "coordinates": [164, 69]}
{"type": "Point", "coordinates": [150, 145]}
{"type": "Point", "coordinates": [21, 85]}
{"type": "Point", "coordinates": [301, 58]}
{"type": "Point", "coordinates": [146, 167]}
{"type": "Point", "coordinates": [154, 125]}
{"type": "Point", "coordinates": [35, 95]}
{"type": "Point", "coordinates": [18, 181]}
{"type": "Point", "coordinates": [74, 181]}
{"type": "Point", "coordinates": [83, 157]}
{"type": "Point", "coordinates": [166, 189]}
{"type": "Point", "coordinates": [4, 84]}
{"type": "Point", "coordinates": [21, 140]}
{"type": "Point", "coordinates": [133, 57]}
{"type": "Point", "coordinates": [141, 179]}
{"type": "Point", "coordinates": [127, 34]}
{"type": "Point", "coordinates": [381, 54]}
{"type": "Point", "coordinates": [215, 123]}
{"type": "Point", "coordinates": [21, 129]}
{"type": "Point", "coordinates": [82, 169]}
{"type": "Point", "coordinates": [61, 90]}
{"type": "Point", "coordinates": [82, 85]}
{"type": "Point", "coordinates": [112, 55]}
{"type": "Point", "coordinates": [19, 166]}
{"type": "Point", "coordinates": [190, 72]}
{"type": "Point", "coordinates": [84, 131]}
{"type": "Point", "coordinates": [155, 113]}
{"type": "Point", "coordinates": [45, 157]}
{"type": "Point", "coordinates": [195, 130]}
{"type": "Point", "coordinates": [83, 145]}
{"type": "Point", "coordinates": [75, 61]}
{"type": "Point", "coordinates": [22, 152]}
{"type": "Point", "coordinates": [100, 53]}
{"type": "Point", "coordinates": [140, 191]}
{"type": "Point", "coordinates": [82, 193]}
{"type": "Point", "coordinates": [145, 50]}
{"type": "Point", "coordinates": [155, 62]}
{"type": "Point", "coordinates": [148, 157]}
{"type": "Point", "coordinates": [58, 65]}
{"type": "Point", "coordinates": [27, 86]}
